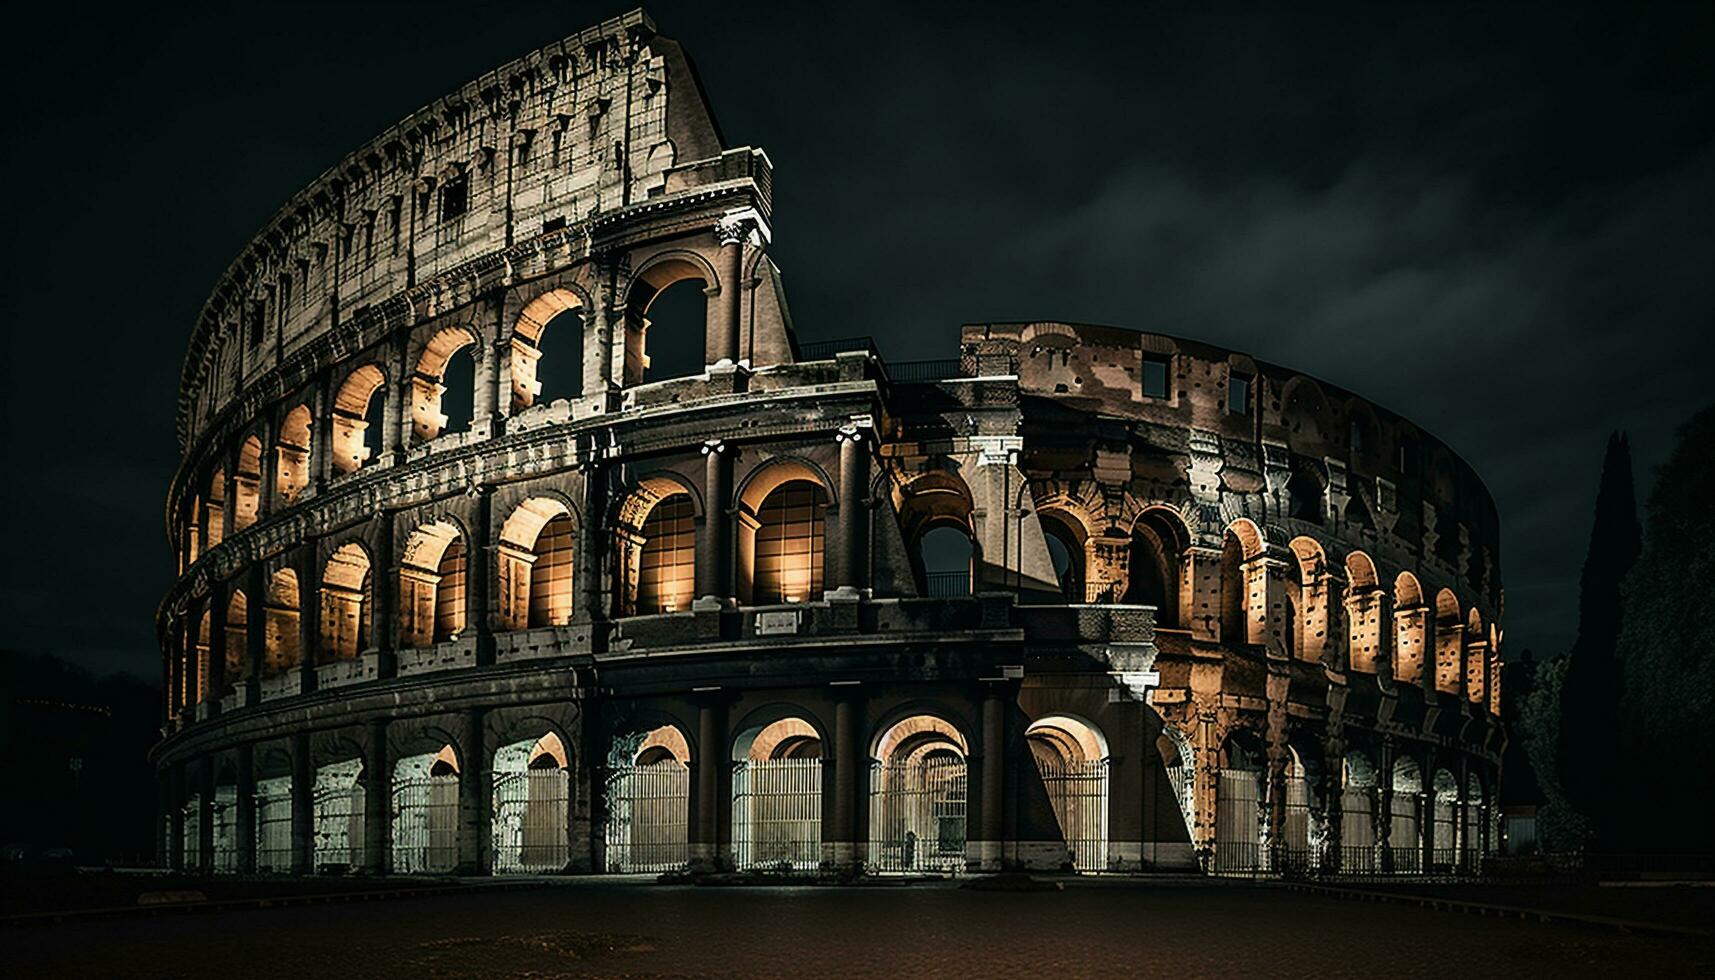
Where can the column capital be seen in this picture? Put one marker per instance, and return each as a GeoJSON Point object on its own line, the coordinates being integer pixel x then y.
{"type": "Point", "coordinates": [744, 225]}
{"type": "Point", "coordinates": [714, 447]}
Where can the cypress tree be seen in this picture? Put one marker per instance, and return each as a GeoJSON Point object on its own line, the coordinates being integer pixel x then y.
{"type": "Point", "coordinates": [1588, 756]}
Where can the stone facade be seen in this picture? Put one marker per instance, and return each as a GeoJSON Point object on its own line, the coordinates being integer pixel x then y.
{"type": "Point", "coordinates": [1199, 610]}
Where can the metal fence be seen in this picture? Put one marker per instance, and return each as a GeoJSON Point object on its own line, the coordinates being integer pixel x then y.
{"type": "Point", "coordinates": [777, 814]}
{"type": "Point", "coordinates": [425, 824]}
{"type": "Point", "coordinates": [529, 822]}
{"type": "Point", "coordinates": [274, 826]}
{"type": "Point", "coordinates": [1078, 792]}
{"type": "Point", "coordinates": [946, 585]}
{"type": "Point", "coordinates": [917, 815]}
{"type": "Point", "coordinates": [226, 829]}
{"type": "Point", "coordinates": [937, 369]}
{"type": "Point", "coordinates": [1473, 841]}
{"type": "Point", "coordinates": [821, 350]}
{"type": "Point", "coordinates": [647, 812]}
{"type": "Point", "coordinates": [338, 842]}
{"type": "Point", "coordinates": [1405, 843]}
{"type": "Point", "coordinates": [1444, 852]}
{"type": "Point", "coordinates": [1184, 788]}
{"type": "Point", "coordinates": [1238, 840]}
{"type": "Point", "coordinates": [190, 856]}
{"type": "Point", "coordinates": [1357, 832]}
{"type": "Point", "coordinates": [1296, 854]}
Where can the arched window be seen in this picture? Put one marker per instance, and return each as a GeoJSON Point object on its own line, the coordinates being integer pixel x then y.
{"type": "Point", "coordinates": [432, 585]}
{"type": "Point", "coordinates": [248, 484]}
{"type": "Point", "coordinates": [551, 576]}
{"type": "Point", "coordinates": [548, 350]}
{"type": "Point", "coordinates": [346, 603]}
{"type": "Point", "coordinates": [1304, 493]}
{"type": "Point", "coordinates": [1066, 554]}
{"type": "Point", "coordinates": [667, 564]}
{"type": "Point", "coordinates": [666, 322]}
{"type": "Point", "coordinates": [357, 418]}
{"type": "Point", "coordinates": [1242, 543]}
{"type": "Point", "coordinates": [237, 639]}
{"type": "Point", "coordinates": [1071, 759]}
{"type": "Point", "coordinates": [534, 565]}
{"type": "Point", "coordinates": [443, 389]}
{"type": "Point", "coordinates": [214, 512]}
{"type": "Point", "coordinates": [949, 560]}
{"type": "Point", "coordinates": [789, 543]}
{"type": "Point", "coordinates": [280, 639]}
{"type": "Point", "coordinates": [1158, 542]}
{"type": "Point", "coordinates": [292, 456]}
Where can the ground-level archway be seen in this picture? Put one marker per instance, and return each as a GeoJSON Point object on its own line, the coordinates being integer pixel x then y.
{"type": "Point", "coordinates": [777, 797]}
{"type": "Point", "coordinates": [1071, 758]}
{"type": "Point", "coordinates": [648, 800]}
{"type": "Point", "coordinates": [918, 797]}
{"type": "Point", "coordinates": [532, 795]}
{"type": "Point", "coordinates": [425, 818]}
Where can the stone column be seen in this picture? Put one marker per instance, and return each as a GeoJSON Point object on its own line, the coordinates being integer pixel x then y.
{"type": "Point", "coordinates": [476, 796]}
{"type": "Point", "coordinates": [309, 617]}
{"type": "Point", "coordinates": [849, 769]}
{"type": "Point", "coordinates": [229, 509]}
{"type": "Point", "coordinates": [255, 631]}
{"type": "Point", "coordinates": [268, 473]}
{"type": "Point", "coordinates": [589, 606]}
{"type": "Point", "coordinates": [303, 806]}
{"type": "Point", "coordinates": [218, 600]}
{"type": "Point", "coordinates": [1200, 593]}
{"type": "Point", "coordinates": [385, 572]}
{"type": "Point", "coordinates": [852, 568]}
{"type": "Point", "coordinates": [377, 799]}
{"type": "Point", "coordinates": [164, 806]}
{"type": "Point", "coordinates": [1383, 809]}
{"type": "Point", "coordinates": [205, 815]}
{"type": "Point", "coordinates": [721, 346]}
{"type": "Point", "coordinates": [992, 823]}
{"type": "Point", "coordinates": [481, 582]}
{"type": "Point", "coordinates": [714, 543]}
{"type": "Point", "coordinates": [394, 419]}
{"type": "Point", "coordinates": [246, 822]}
{"type": "Point", "coordinates": [485, 415]}
{"type": "Point", "coordinates": [193, 667]}
{"type": "Point", "coordinates": [708, 851]}
{"type": "Point", "coordinates": [321, 435]}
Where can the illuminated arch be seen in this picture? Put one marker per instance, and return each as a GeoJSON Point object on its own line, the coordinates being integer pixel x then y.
{"type": "Point", "coordinates": [432, 584]}
{"type": "Point", "coordinates": [1159, 537]}
{"type": "Point", "coordinates": [427, 420]}
{"type": "Point", "coordinates": [292, 455]}
{"type": "Point", "coordinates": [247, 484]}
{"type": "Point", "coordinates": [353, 406]}
{"type": "Point", "coordinates": [347, 602]}
{"type": "Point", "coordinates": [280, 645]}
{"type": "Point", "coordinates": [533, 566]}
{"type": "Point", "coordinates": [782, 510]}
{"type": "Point", "coordinates": [526, 342]}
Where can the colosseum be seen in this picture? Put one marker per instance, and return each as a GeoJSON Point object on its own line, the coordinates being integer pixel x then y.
{"type": "Point", "coordinates": [485, 567]}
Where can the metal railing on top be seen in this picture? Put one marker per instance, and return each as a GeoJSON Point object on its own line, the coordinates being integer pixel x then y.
{"type": "Point", "coordinates": [821, 350]}
{"type": "Point", "coordinates": [937, 369]}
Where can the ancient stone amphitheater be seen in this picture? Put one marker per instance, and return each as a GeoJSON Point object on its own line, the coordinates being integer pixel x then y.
{"type": "Point", "coordinates": [486, 567]}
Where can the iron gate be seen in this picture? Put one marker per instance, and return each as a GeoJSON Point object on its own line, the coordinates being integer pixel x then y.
{"type": "Point", "coordinates": [1474, 836]}
{"type": "Point", "coordinates": [1238, 841]}
{"type": "Point", "coordinates": [425, 824]}
{"type": "Point", "coordinates": [226, 829]}
{"type": "Point", "coordinates": [190, 854]}
{"type": "Point", "coordinates": [777, 814]}
{"type": "Point", "coordinates": [1405, 846]}
{"type": "Point", "coordinates": [1445, 842]}
{"type": "Point", "coordinates": [338, 844]}
{"type": "Point", "coordinates": [274, 825]}
{"type": "Point", "coordinates": [917, 815]}
{"type": "Point", "coordinates": [530, 820]}
{"type": "Point", "coordinates": [1357, 831]}
{"type": "Point", "coordinates": [1078, 793]}
{"type": "Point", "coordinates": [648, 807]}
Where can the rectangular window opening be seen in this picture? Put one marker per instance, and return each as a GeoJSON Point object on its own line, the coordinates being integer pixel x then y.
{"type": "Point", "coordinates": [1155, 377]}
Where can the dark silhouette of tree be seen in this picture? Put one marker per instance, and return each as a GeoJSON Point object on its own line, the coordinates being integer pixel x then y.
{"type": "Point", "coordinates": [1588, 754]}
{"type": "Point", "coordinates": [1667, 652]}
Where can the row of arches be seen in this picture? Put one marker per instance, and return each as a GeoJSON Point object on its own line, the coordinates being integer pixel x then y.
{"type": "Point", "coordinates": [447, 385]}
{"type": "Point", "coordinates": [918, 799]}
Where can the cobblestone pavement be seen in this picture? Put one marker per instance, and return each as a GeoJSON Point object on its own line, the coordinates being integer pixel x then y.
{"type": "Point", "coordinates": [609, 929]}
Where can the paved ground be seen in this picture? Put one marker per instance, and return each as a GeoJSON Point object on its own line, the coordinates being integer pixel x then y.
{"type": "Point", "coordinates": [608, 929]}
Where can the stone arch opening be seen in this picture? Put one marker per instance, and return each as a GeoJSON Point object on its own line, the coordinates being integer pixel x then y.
{"type": "Point", "coordinates": [273, 826]}
{"type": "Point", "coordinates": [1240, 801]}
{"type": "Point", "coordinates": [647, 801]}
{"type": "Point", "coordinates": [666, 319]}
{"type": "Point", "coordinates": [425, 815]}
{"type": "Point", "coordinates": [777, 796]}
{"type": "Point", "coordinates": [1405, 841]}
{"type": "Point", "coordinates": [432, 584]}
{"type": "Point", "coordinates": [1411, 625]}
{"type": "Point", "coordinates": [534, 559]}
{"type": "Point", "coordinates": [949, 557]}
{"type": "Point", "coordinates": [918, 796]}
{"type": "Point", "coordinates": [214, 509]}
{"type": "Point", "coordinates": [935, 515]}
{"type": "Point", "coordinates": [1154, 561]}
{"type": "Point", "coordinates": [1357, 813]}
{"type": "Point", "coordinates": [1240, 576]}
{"type": "Point", "coordinates": [531, 805]}
{"type": "Point", "coordinates": [547, 350]}
{"type": "Point", "coordinates": [247, 484]}
{"type": "Point", "coordinates": [443, 387]}
{"type": "Point", "coordinates": [1071, 759]}
{"type": "Point", "coordinates": [358, 417]}
{"type": "Point", "coordinates": [236, 651]}
{"type": "Point", "coordinates": [1065, 536]}
{"type": "Point", "coordinates": [1444, 822]}
{"type": "Point", "coordinates": [280, 646]}
{"type": "Point", "coordinates": [337, 808]}
{"type": "Point", "coordinates": [782, 516]}
{"type": "Point", "coordinates": [292, 456]}
{"type": "Point", "coordinates": [1449, 642]}
{"type": "Point", "coordinates": [656, 534]}
{"type": "Point", "coordinates": [347, 603]}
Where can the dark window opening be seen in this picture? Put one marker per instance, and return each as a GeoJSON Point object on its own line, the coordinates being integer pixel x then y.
{"type": "Point", "coordinates": [458, 400]}
{"type": "Point", "coordinates": [1304, 493]}
{"type": "Point", "coordinates": [561, 366]}
{"type": "Point", "coordinates": [947, 566]}
{"type": "Point", "coordinates": [554, 224]}
{"type": "Point", "coordinates": [1155, 377]}
{"type": "Point", "coordinates": [1239, 395]}
{"type": "Point", "coordinates": [258, 325]}
{"type": "Point", "coordinates": [1357, 436]}
{"type": "Point", "coordinates": [678, 316]}
{"type": "Point", "coordinates": [455, 197]}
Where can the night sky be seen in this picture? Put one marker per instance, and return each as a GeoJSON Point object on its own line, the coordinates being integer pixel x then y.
{"type": "Point", "coordinates": [1495, 221]}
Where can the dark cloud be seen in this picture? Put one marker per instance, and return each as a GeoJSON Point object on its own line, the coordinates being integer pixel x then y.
{"type": "Point", "coordinates": [1490, 219]}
